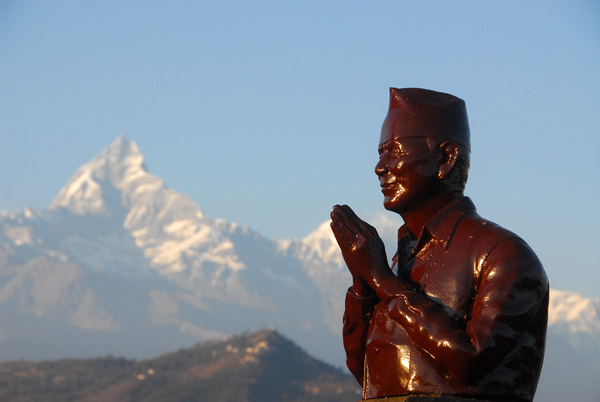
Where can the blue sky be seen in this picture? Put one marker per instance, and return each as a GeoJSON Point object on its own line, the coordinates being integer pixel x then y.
{"type": "Point", "coordinates": [268, 112]}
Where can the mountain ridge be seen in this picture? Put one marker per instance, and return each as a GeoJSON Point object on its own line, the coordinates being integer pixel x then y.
{"type": "Point", "coordinates": [253, 366]}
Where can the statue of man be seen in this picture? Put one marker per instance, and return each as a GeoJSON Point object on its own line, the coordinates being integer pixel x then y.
{"type": "Point", "coordinates": [462, 312]}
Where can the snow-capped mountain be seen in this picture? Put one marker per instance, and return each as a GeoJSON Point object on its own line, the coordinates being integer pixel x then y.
{"type": "Point", "coordinates": [121, 264]}
{"type": "Point", "coordinates": [574, 314]}
{"type": "Point", "coordinates": [571, 370]}
{"type": "Point", "coordinates": [119, 255]}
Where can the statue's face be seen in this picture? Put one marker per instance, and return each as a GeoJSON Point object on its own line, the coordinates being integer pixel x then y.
{"type": "Point", "coordinates": [407, 171]}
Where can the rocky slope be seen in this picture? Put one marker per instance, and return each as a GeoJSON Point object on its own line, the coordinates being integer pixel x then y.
{"type": "Point", "coordinates": [261, 366]}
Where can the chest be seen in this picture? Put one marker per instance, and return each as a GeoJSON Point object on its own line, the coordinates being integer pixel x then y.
{"type": "Point", "coordinates": [446, 275]}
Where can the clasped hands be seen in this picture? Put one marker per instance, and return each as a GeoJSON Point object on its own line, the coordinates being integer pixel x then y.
{"type": "Point", "coordinates": [362, 250]}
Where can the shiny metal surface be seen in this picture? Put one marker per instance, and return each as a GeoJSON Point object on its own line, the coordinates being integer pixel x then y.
{"type": "Point", "coordinates": [466, 314]}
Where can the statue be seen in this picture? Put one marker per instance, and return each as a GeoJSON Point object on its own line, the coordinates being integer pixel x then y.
{"type": "Point", "coordinates": [461, 314]}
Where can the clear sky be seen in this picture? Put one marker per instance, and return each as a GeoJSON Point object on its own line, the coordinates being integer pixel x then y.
{"type": "Point", "coordinates": [268, 112]}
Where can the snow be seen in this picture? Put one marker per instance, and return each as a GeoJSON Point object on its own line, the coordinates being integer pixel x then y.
{"type": "Point", "coordinates": [322, 245]}
{"type": "Point", "coordinates": [575, 312]}
{"type": "Point", "coordinates": [167, 225]}
{"type": "Point", "coordinates": [182, 228]}
{"type": "Point", "coordinates": [20, 235]}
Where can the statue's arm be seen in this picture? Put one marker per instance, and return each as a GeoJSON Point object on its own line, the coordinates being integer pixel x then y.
{"type": "Point", "coordinates": [357, 317]}
{"type": "Point", "coordinates": [511, 297]}
{"type": "Point", "coordinates": [362, 249]}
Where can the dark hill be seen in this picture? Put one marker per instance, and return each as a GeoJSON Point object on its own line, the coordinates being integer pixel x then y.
{"type": "Point", "coordinates": [260, 366]}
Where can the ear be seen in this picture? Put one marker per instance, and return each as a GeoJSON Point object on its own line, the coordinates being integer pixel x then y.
{"type": "Point", "coordinates": [450, 153]}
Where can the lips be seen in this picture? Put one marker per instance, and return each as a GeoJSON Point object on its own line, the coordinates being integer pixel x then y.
{"type": "Point", "coordinates": [389, 187]}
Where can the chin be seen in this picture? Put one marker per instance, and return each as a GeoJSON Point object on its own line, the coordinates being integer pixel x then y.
{"type": "Point", "coordinates": [393, 206]}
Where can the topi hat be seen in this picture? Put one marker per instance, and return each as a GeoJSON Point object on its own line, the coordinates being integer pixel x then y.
{"type": "Point", "coordinates": [416, 112]}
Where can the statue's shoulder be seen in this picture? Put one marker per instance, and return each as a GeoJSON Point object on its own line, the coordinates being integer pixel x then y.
{"type": "Point", "coordinates": [498, 247]}
{"type": "Point", "coordinates": [470, 229]}
{"type": "Point", "coordinates": [484, 232]}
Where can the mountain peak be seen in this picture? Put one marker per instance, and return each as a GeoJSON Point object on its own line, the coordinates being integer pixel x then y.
{"type": "Point", "coordinates": [322, 245]}
{"type": "Point", "coordinates": [122, 150]}
{"type": "Point", "coordinates": [96, 184]}
{"type": "Point", "coordinates": [575, 312]}
{"type": "Point", "coordinates": [121, 156]}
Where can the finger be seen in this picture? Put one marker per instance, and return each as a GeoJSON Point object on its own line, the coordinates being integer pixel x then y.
{"type": "Point", "coordinates": [361, 226]}
{"type": "Point", "coordinates": [371, 229]}
{"type": "Point", "coordinates": [342, 226]}
{"type": "Point", "coordinates": [350, 219]}
{"type": "Point", "coordinates": [340, 237]}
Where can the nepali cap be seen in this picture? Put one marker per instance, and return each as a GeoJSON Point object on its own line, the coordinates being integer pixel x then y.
{"type": "Point", "coordinates": [416, 112]}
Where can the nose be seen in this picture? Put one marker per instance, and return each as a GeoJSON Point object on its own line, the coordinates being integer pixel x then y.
{"type": "Point", "coordinates": [381, 168]}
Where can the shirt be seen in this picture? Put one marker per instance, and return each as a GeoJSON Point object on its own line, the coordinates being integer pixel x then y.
{"type": "Point", "coordinates": [472, 321]}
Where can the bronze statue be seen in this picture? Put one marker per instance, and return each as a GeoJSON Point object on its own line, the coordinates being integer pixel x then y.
{"type": "Point", "coordinates": [462, 312]}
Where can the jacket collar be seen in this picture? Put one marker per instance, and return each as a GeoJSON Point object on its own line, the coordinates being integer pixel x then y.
{"type": "Point", "coordinates": [442, 226]}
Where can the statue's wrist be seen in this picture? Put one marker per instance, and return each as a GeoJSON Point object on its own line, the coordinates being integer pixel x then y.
{"type": "Point", "coordinates": [361, 289]}
{"type": "Point", "coordinates": [387, 285]}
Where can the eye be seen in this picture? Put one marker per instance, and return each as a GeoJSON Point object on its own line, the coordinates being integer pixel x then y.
{"type": "Point", "coordinates": [396, 151]}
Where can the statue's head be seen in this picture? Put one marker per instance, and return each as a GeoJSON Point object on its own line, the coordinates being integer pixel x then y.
{"type": "Point", "coordinates": [424, 147]}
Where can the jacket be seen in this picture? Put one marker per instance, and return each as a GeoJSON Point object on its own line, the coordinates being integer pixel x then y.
{"type": "Point", "coordinates": [472, 322]}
